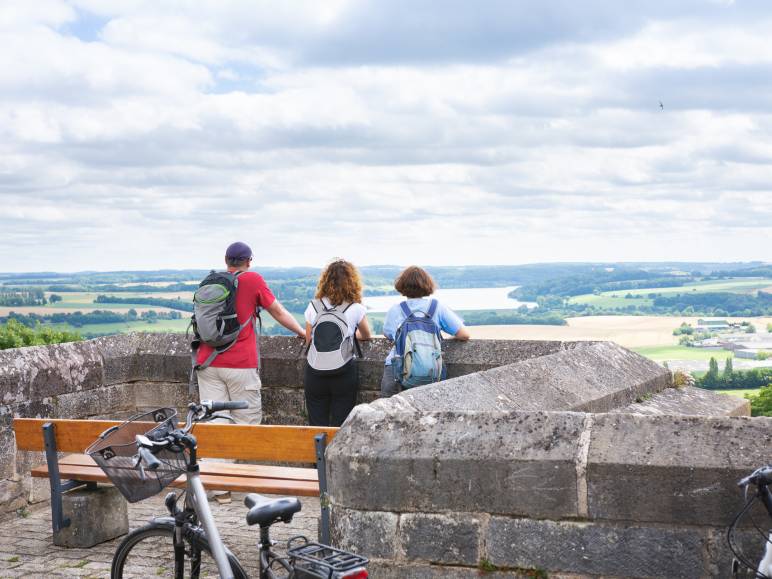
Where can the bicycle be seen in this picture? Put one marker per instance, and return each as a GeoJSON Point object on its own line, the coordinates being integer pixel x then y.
{"type": "Point", "coordinates": [141, 459]}
{"type": "Point", "coordinates": [761, 478]}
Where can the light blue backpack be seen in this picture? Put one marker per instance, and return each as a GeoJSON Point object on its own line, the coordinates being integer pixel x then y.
{"type": "Point", "coordinates": [417, 348]}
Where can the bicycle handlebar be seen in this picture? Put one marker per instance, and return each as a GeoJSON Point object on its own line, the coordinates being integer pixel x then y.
{"type": "Point", "coordinates": [761, 477]}
{"type": "Point", "coordinates": [213, 406]}
{"type": "Point", "coordinates": [151, 462]}
{"type": "Point", "coordinates": [146, 447]}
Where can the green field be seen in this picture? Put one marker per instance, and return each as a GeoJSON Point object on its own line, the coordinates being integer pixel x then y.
{"type": "Point", "coordinates": [123, 328]}
{"type": "Point", "coordinates": [616, 298]}
{"type": "Point", "coordinates": [660, 353]}
{"type": "Point", "coordinates": [740, 393]}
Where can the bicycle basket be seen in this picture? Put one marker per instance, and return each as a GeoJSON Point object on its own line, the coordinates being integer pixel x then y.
{"type": "Point", "coordinates": [115, 452]}
{"type": "Point", "coordinates": [317, 561]}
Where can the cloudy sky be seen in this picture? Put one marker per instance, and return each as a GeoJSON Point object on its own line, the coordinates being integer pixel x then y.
{"type": "Point", "coordinates": [150, 134]}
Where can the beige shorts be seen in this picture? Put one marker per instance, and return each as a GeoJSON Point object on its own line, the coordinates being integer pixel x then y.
{"type": "Point", "coordinates": [224, 384]}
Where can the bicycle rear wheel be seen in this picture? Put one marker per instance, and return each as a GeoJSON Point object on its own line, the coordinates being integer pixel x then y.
{"type": "Point", "coordinates": [149, 552]}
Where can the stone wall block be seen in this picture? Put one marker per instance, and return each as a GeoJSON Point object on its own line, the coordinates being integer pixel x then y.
{"type": "Point", "coordinates": [449, 539]}
{"type": "Point", "coordinates": [370, 374]}
{"type": "Point", "coordinates": [282, 362]}
{"type": "Point", "coordinates": [7, 444]}
{"type": "Point", "coordinates": [371, 534]}
{"type": "Point", "coordinates": [97, 402]}
{"type": "Point", "coordinates": [470, 462]}
{"type": "Point", "coordinates": [475, 391]}
{"type": "Point", "coordinates": [283, 406]}
{"type": "Point", "coordinates": [412, 570]}
{"type": "Point", "coordinates": [689, 401]}
{"type": "Point", "coordinates": [45, 371]}
{"type": "Point", "coordinates": [672, 469]}
{"type": "Point", "coordinates": [494, 353]}
{"type": "Point", "coordinates": [119, 355]}
{"type": "Point", "coordinates": [150, 395]}
{"type": "Point", "coordinates": [597, 550]}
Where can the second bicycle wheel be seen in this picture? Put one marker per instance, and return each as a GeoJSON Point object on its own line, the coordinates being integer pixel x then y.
{"type": "Point", "coordinates": [149, 552]}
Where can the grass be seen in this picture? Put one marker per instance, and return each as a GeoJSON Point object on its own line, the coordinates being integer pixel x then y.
{"type": "Point", "coordinates": [122, 328]}
{"type": "Point", "coordinates": [616, 298]}
{"type": "Point", "coordinates": [740, 393]}
{"type": "Point", "coordinates": [14, 559]}
{"type": "Point", "coordinates": [660, 353]}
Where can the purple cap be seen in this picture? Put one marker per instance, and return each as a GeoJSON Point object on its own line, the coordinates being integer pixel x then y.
{"type": "Point", "coordinates": [238, 250]}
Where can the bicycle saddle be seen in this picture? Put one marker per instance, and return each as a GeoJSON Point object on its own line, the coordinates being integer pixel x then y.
{"type": "Point", "coordinates": [264, 511]}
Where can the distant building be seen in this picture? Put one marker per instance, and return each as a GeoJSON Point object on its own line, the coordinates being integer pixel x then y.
{"type": "Point", "coordinates": [712, 325]}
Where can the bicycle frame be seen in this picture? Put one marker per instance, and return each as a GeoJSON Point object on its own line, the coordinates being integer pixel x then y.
{"type": "Point", "coordinates": [204, 513]}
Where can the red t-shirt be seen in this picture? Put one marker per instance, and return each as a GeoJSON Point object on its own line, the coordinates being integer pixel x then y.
{"type": "Point", "coordinates": [251, 294]}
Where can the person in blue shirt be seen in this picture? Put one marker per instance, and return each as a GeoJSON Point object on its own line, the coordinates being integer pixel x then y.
{"type": "Point", "coordinates": [417, 286]}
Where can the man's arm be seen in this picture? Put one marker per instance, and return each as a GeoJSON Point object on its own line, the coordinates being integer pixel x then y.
{"type": "Point", "coordinates": [280, 314]}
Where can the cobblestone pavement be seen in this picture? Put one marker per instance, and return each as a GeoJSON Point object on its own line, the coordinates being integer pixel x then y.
{"type": "Point", "coordinates": [27, 549]}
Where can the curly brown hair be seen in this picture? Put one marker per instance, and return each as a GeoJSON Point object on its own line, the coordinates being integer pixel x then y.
{"type": "Point", "coordinates": [415, 282]}
{"type": "Point", "coordinates": [340, 282]}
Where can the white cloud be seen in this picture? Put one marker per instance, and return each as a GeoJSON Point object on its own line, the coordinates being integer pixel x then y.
{"type": "Point", "coordinates": [127, 127]}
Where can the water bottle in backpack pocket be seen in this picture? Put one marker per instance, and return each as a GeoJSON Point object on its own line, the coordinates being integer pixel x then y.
{"type": "Point", "coordinates": [417, 348]}
{"type": "Point", "coordinates": [332, 345]}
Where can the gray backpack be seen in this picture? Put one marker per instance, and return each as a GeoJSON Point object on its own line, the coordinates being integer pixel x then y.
{"type": "Point", "coordinates": [214, 318]}
{"type": "Point", "coordinates": [331, 347]}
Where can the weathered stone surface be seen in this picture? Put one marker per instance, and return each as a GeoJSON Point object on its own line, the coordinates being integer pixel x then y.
{"type": "Point", "coordinates": [750, 542]}
{"type": "Point", "coordinates": [595, 549]}
{"type": "Point", "coordinates": [44, 371]}
{"type": "Point", "coordinates": [450, 539]}
{"type": "Point", "coordinates": [412, 570]}
{"type": "Point", "coordinates": [11, 496]}
{"type": "Point", "coordinates": [96, 515]}
{"type": "Point", "coordinates": [95, 402]}
{"type": "Point", "coordinates": [369, 533]}
{"type": "Point", "coordinates": [150, 395]}
{"type": "Point", "coordinates": [119, 354]}
{"type": "Point", "coordinates": [689, 401]}
{"type": "Point", "coordinates": [468, 462]}
{"type": "Point", "coordinates": [671, 469]}
{"type": "Point", "coordinates": [593, 378]}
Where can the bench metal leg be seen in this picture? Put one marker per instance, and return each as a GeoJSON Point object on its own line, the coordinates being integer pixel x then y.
{"type": "Point", "coordinates": [320, 441]}
{"type": "Point", "coordinates": [58, 520]}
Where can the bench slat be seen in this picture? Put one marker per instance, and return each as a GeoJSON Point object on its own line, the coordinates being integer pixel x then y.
{"type": "Point", "coordinates": [212, 482]}
{"type": "Point", "coordinates": [222, 468]}
{"type": "Point", "coordinates": [236, 441]}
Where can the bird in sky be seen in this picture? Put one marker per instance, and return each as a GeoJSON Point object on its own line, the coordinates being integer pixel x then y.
{"type": "Point", "coordinates": [661, 106]}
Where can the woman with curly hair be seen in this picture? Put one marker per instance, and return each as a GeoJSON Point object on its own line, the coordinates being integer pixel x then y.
{"type": "Point", "coordinates": [335, 320]}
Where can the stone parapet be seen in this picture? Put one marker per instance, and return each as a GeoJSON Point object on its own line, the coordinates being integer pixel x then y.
{"type": "Point", "coordinates": [688, 401]}
{"type": "Point", "coordinates": [588, 494]}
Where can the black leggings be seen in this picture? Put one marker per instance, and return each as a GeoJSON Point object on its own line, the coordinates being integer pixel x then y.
{"type": "Point", "coordinates": [330, 397]}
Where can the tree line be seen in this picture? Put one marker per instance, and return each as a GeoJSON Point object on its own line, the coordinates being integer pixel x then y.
{"type": "Point", "coordinates": [731, 379]}
{"type": "Point", "coordinates": [80, 319]}
{"type": "Point", "coordinates": [23, 297]}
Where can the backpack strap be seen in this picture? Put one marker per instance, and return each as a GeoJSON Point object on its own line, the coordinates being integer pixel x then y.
{"type": "Point", "coordinates": [348, 305]}
{"type": "Point", "coordinates": [405, 308]}
{"type": "Point", "coordinates": [432, 308]}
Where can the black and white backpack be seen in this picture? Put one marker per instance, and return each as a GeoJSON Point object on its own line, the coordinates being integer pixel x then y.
{"type": "Point", "coordinates": [331, 347]}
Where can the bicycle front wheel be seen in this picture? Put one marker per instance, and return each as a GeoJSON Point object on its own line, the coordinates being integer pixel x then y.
{"type": "Point", "coordinates": [149, 552]}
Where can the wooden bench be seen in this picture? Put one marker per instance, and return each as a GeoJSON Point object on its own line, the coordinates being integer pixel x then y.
{"type": "Point", "coordinates": [286, 444]}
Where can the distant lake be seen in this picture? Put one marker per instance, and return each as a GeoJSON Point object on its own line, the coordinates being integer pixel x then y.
{"type": "Point", "coordinates": [477, 298]}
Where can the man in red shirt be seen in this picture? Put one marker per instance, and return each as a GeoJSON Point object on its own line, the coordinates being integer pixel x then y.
{"type": "Point", "coordinates": [233, 374]}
